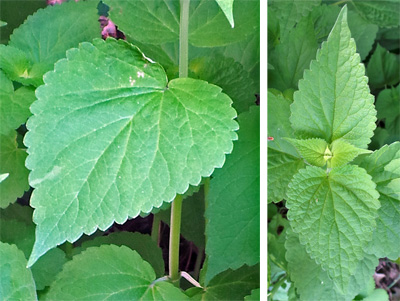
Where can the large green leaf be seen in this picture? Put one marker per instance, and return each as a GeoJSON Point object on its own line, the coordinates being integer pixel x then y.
{"type": "Point", "coordinates": [292, 56]}
{"type": "Point", "coordinates": [141, 243]}
{"type": "Point", "coordinates": [16, 281]}
{"type": "Point", "coordinates": [46, 35]}
{"type": "Point", "coordinates": [334, 215]}
{"type": "Point", "coordinates": [383, 68]}
{"type": "Point", "coordinates": [312, 281]}
{"type": "Point", "coordinates": [384, 167]}
{"type": "Point", "coordinates": [109, 139]}
{"type": "Point", "coordinates": [333, 100]}
{"type": "Point", "coordinates": [231, 285]}
{"type": "Point", "coordinates": [385, 13]}
{"type": "Point", "coordinates": [233, 209]}
{"type": "Point", "coordinates": [113, 273]}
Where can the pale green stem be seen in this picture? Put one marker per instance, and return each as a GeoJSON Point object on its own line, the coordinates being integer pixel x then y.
{"type": "Point", "coordinates": [174, 238]}
{"type": "Point", "coordinates": [197, 264]}
{"type": "Point", "coordinates": [155, 228]}
{"type": "Point", "coordinates": [277, 285]}
{"type": "Point", "coordinates": [184, 39]}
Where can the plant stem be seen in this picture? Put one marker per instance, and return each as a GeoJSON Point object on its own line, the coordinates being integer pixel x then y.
{"type": "Point", "coordinates": [197, 264]}
{"type": "Point", "coordinates": [174, 237]}
{"type": "Point", "coordinates": [155, 228]}
{"type": "Point", "coordinates": [184, 38]}
{"type": "Point", "coordinates": [277, 285]}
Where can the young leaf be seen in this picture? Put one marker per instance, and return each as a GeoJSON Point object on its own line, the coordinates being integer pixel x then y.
{"type": "Point", "coordinates": [240, 282]}
{"type": "Point", "coordinates": [129, 142]}
{"type": "Point", "coordinates": [343, 152]}
{"type": "Point", "coordinates": [292, 56]}
{"type": "Point", "coordinates": [383, 68]}
{"type": "Point", "coordinates": [16, 281]}
{"type": "Point", "coordinates": [334, 215]}
{"type": "Point", "coordinates": [315, 151]}
{"type": "Point", "coordinates": [141, 243]}
{"type": "Point", "coordinates": [384, 167]}
{"type": "Point", "coordinates": [227, 8]}
{"type": "Point", "coordinates": [384, 13]}
{"type": "Point", "coordinates": [46, 35]}
{"type": "Point", "coordinates": [333, 100]}
{"type": "Point", "coordinates": [233, 211]}
{"type": "Point", "coordinates": [312, 281]}
{"type": "Point", "coordinates": [110, 272]}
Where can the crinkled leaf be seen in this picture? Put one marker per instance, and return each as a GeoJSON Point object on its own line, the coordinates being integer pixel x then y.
{"type": "Point", "coordinates": [233, 209]}
{"type": "Point", "coordinates": [147, 21]}
{"type": "Point", "coordinates": [315, 151]}
{"type": "Point", "coordinates": [227, 8]}
{"type": "Point", "coordinates": [141, 243]}
{"type": "Point", "coordinates": [16, 281]}
{"type": "Point", "coordinates": [384, 167]}
{"type": "Point", "coordinates": [388, 107]}
{"type": "Point", "coordinates": [385, 13]}
{"type": "Point", "coordinates": [333, 100]}
{"type": "Point", "coordinates": [283, 159]}
{"type": "Point", "coordinates": [231, 285]}
{"type": "Point", "coordinates": [292, 56]}
{"type": "Point", "coordinates": [343, 152]}
{"type": "Point", "coordinates": [46, 35]}
{"type": "Point", "coordinates": [363, 32]}
{"type": "Point", "coordinates": [128, 142]}
{"type": "Point", "coordinates": [12, 161]}
{"type": "Point", "coordinates": [312, 281]}
{"type": "Point", "coordinates": [383, 68]}
{"type": "Point", "coordinates": [334, 215]}
{"type": "Point", "coordinates": [227, 74]}
{"type": "Point", "coordinates": [113, 273]}
{"type": "Point", "coordinates": [290, 12]}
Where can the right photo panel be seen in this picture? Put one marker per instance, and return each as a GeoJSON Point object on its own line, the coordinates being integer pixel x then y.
{"type": "Point", "coordinates": [333, 150]}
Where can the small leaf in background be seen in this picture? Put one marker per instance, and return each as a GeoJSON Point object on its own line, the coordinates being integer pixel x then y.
{"type": "Point", "coordinates": [384, 167]}
{"type": "Point", "coordinates": [315, 151]}
{"type": "Point", "coordinates": [255, 295]}
{"type": "Point", "coordinates": [384, 13]}
{"type": "Point", "coordinates": [383, 68]}
{"type": "Point", "coordinates": [62, 32]}
{"type": "Point", "coordinates": [333, 100]}
{"type": "Point", "coordinates": [277, 228]}
{"type": "Point", "coordinates": [141, 243]}
{"type": "Point", "coordinates": [147, 21]}
{"type": "Point", "coordinates": [233, 210]}
{"type": "Point", "coordinates": [16, 281]}
{"type": "Point", "coordinates": [110, 272]}
{"type": "Point", "coordinates": [240, 283]}
{"type": "Point", "coordinates": [334, 215]}
{"type": "Point", "coordinates": [312, 281]}
{"type": "Point", "coordinates": [292, 56]}
{"type": "Point", "coordinates": [283, 159]}
{"type": "Point", "coordinates": [129, 142]}
{"type": "Point", "coordinates": [227, 8]}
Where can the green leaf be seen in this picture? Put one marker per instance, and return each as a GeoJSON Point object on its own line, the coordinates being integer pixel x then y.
{"type": "Point", "coordinates": [46, 35]}
{"type": "Point", "coordinates": [384, 167]}
{"type": "Point", "coordinates": [315, 151]}
{"type": "Point", "coordinates": [17, 212]}
{"type": "Point", "coordinates": [363, 33]}
{"type": "Point", "coordinates": [2, 23]}
{"type": "Point", "coordinates": [378, 295]}
{"type": "Point", "coordinates": [240, 283]}
{"type": "Point", "coordinates": [147, 21]}
{"type": "Point", "coordinates": [383, 68]}
{"type": "Point", "coordinates": [16, 281]}
{"type": "Point", "coordinates": [283, 159]}
{"type": "Point", "coordinates": [292, 56]}
{"type": "Point", "coordinates": [227, 74]}
{"type": "Point", "coordinates": [324, 17]}
{"type": "Point", "coordinates": [129, 142]}
{"type": "Point", "coordinates": [276, 240]}
{"type": "Point", "coordinates": [17, 232]}
{"type": "Point", "coordinates": [384, 13]}
{"type": "Point", "coordinates": [312, 281]}
{"type": "Point", "coordinates": [333, 100]}
{"type": "Point", "coordinates": [141, 243]}
{"type": "Point", "coordinates": [3, 176]}
{"type": "Point", "coordinates": [334, 215]}
{"type": "Point", "coordinates": [343, 152]}
{"type": "Point", "coordinates": [255, 295]}
{"type": "Point", "coordinates": [113, 273]}
{"type": "Point", "coordinates": [388, 107]}
{"type": "Point", "coordinates": [290, 12]}
{"type": "Point", "coordinates": [233, 209]}
{"type": "Point", "coordinates": [227, 8]}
